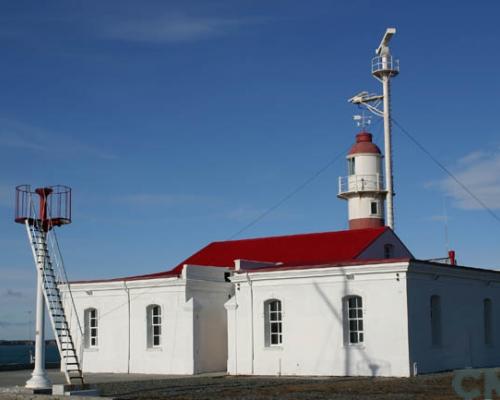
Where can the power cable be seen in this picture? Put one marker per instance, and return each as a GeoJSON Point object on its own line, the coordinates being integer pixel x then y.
{"type": "Point", "coordinates": [446, 170]}
{"type": "Point", "coordinates": [288, 196]}
{"type": "Point", "coordinates": [292, 193]}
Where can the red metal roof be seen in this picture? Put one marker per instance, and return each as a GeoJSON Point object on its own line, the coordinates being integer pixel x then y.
{"type": "Point", "coordinates": [292, 250]}
{"type": "Point", "coordinates": [304, 249]}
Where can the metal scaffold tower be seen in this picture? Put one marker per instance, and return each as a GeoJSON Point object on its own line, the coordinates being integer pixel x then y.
{"type": "Point", "coordinates": [53, 209]}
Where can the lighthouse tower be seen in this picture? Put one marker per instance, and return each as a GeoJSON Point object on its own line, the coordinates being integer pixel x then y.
{"type": "Point", "coordinates": [363, 187]}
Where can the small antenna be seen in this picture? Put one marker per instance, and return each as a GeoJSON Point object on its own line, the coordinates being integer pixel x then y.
{"type": "Point", "coordinates": [362, 120]}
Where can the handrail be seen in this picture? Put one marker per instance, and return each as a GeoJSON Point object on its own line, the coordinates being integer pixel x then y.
{"type": "Point", "coordinates": [385, 63]}
{"type": "Point", "coordinates": [63, 276]}
{"type": "Point", "coordinates": [361, 183]}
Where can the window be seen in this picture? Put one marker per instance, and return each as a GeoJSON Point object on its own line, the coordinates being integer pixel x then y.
{"type": "Point", "coordinates": [273, 323]}
{"type": "Point", "coordinates": [374, 207]}
{"type": "Point", "coordinates": [354, 320]}
{"type": "Point", "coordinates": [488, 325]}
{"type": "Point", "coordinates": [436, 320]}
{"type": "Point", "coordinates": [388, 250]}
{"type": "Point", "coordinates": [154, 325]}
{"type": "Point", "coordinates": [91, 327]}
{"type": "Point", "coordinates": [351, 166]}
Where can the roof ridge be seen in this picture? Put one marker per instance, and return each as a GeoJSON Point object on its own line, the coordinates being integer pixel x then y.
{"type": "Point", "coordinates": [299, 235]}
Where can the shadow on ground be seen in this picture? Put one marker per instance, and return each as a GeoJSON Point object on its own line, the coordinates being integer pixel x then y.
{"type": "Point", "coordinates": [435, 387]}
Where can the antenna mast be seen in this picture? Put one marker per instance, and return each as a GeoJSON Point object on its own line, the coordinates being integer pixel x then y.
{"type": "Point", "coordinates": [384, 67]}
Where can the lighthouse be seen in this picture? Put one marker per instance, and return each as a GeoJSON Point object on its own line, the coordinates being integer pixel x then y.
{"type": "Point", "coordinates": [363, 187]}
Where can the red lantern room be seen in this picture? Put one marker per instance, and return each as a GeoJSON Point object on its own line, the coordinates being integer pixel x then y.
{"type": "Point", "coordinates": [46, 207]}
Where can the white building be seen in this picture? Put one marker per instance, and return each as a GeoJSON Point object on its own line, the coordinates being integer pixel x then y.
{"type": "Point", "coordinates": [167, 323]}
{"type": "Point", "coordinates": [374, 318]}
{"type": "Point", "coordinates": [353, 302]}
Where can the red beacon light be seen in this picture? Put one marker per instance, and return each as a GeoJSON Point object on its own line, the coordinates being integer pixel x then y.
{"type": "Point", "coordinates": [53, 207]}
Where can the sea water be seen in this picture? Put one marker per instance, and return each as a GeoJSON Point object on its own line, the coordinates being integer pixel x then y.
{"type": "Point", "coordinates": [20, 354]}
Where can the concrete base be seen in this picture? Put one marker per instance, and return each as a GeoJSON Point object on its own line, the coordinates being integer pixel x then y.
{"type": "Point", "coordinates": [75, 390]}
{"type": "Point", "coordinates": [38, 380]}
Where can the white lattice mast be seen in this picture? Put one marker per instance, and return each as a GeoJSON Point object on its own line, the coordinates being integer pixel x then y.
{"type": "Point", "coordinates": [384, 67]}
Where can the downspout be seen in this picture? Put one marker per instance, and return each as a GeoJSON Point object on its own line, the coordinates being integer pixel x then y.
{"type": "Point", "coordinates": [251, 319]}
{"type": "Point", "coordinates": [128, 311]}
{"type": "Point", "coordinates": [236, 333]}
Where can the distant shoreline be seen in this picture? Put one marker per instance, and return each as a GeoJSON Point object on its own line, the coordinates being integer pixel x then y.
{"type": "Point", "coordinates": [24, 342]}
{"type": "Point", "coordinates": [21, 366]}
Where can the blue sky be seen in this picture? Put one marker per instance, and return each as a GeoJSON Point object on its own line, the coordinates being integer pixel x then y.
{"type": "Point", "coordinates": [177, 123]}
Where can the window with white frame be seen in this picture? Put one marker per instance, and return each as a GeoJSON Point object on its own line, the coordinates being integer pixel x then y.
{"type": "Point", "coordinates": [154, 325]}
{"type": "Point", "coordinates": [436, 334]}
{"type": "Point", "coordinates": [91, 328]}
{"type": "Point", "coordinates": [488, 323]}
{"type": "Point", "coordinates": [354, 320]}
{"type": "Point", "coordinates": [273, 323]}
{"type": "Point", "coordinates": [374, 208]}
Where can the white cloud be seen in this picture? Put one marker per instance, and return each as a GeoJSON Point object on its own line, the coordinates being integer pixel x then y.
{"type": "Point", "coordinates": [439, 218]}
{"type": "Point", "coordinates": [19, 135]}
{"type": "Point", "coordinates": [171, 28]}
{"type": "Point", "coordinates": [243, 213]}
{"type": "Point", "coordinates": [479, 171]}
{"type": "Point", "coordinates": [166, 199]}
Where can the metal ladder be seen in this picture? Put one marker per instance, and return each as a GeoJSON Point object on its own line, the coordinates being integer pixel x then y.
{"type": "Point", "coordinates": [49, 264]}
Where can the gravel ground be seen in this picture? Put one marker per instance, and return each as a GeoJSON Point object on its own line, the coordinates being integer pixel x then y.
{"type": "Point", "coordinates": [428, 387]}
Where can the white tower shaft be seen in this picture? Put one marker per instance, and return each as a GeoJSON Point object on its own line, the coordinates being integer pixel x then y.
{"type": "Point", "coordinates": [388, 152]}
{"type": "Point", "coordinates": [39, 378]}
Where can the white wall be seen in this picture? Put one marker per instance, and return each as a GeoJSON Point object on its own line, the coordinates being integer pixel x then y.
{"type": "Point", "coordinates": [116, 309]}
{"type": "Point", "coordinates": [112, 304]}
{"type": "Point", "coordinates": [367, 163]}
{"type": "Point", "coordinates": [359, 206]}
{"type": "Point", "coordinates": [462, 292]}
{"type": "Point", "coordinates": [192, 305]}
{"type": "Point", "coordinates": [313, 336]}
{"type": "Point", "coordinates": [209, 289]}
{"type": "Point", "coordinates": [175, 355]}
